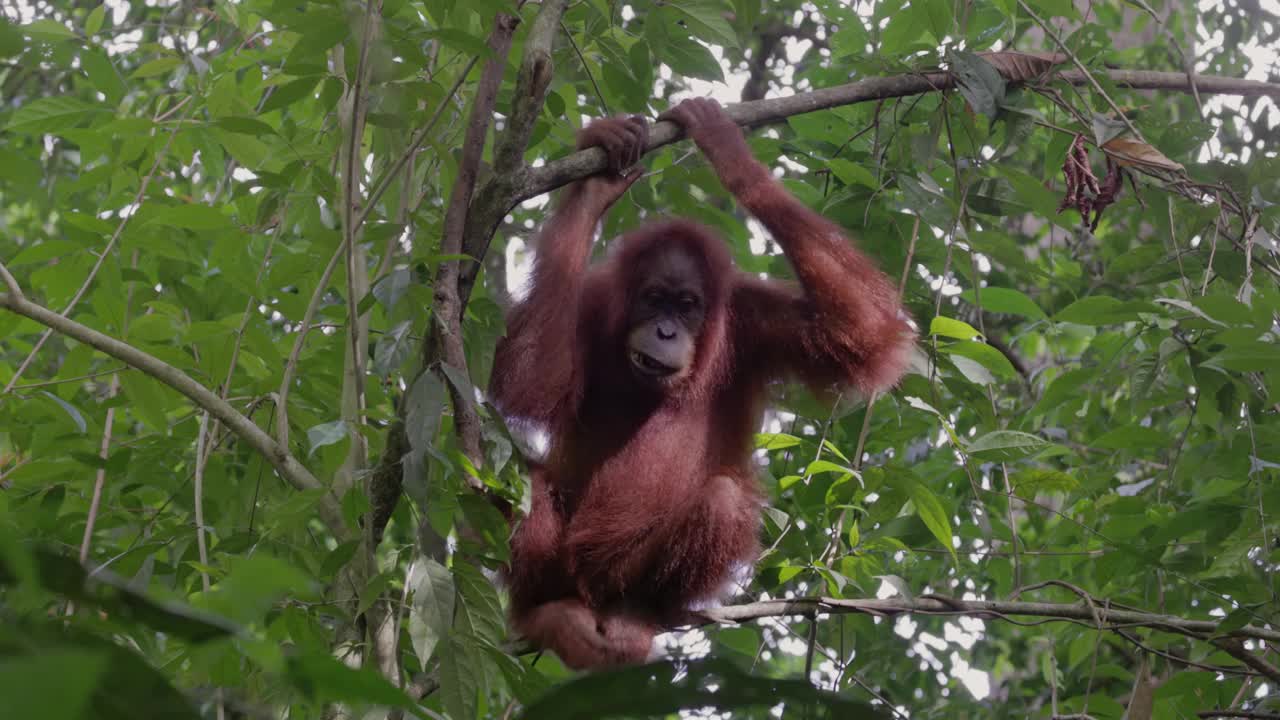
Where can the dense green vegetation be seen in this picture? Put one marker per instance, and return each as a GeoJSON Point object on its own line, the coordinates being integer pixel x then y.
{"type": "Point", "coordinates": [1091, 425]}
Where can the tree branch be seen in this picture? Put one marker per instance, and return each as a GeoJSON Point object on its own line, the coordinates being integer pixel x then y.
{"type": "Point", "coordinates": [453, 282]}
{"type": "Point", "coordinates": [284, 463]}
{"type": "Point", "coordinates": [447, 345]}
{"type": "Point", "coordinates": [353, 393]}
{"type": "Point", "coordinates": [531, 87]}
{"type": "Point", "coordinates": [536, 181]}
{"type": "Point", "coordinates": [1236, 649]}
{"type": "Point", "coordinates": [494, 198]}
{"type": "Point", "coordinates": [989, 608]}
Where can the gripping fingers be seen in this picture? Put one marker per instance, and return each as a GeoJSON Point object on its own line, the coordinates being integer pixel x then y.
{"type": "Point", "coordinates": [638, 127]}
{"type": "Point", "coordinates": [617, 146]}
{"type": "Point", "coordinates": [623, 139]}
{"type": "Point", "coordinates": [696, 114]}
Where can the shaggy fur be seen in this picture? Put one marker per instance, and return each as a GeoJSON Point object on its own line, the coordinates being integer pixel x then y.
{"type": "Point", "coordinates": [646, 500]}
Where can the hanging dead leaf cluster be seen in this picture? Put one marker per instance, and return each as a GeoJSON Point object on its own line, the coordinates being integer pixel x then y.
{"type": "Point", "coordinates": [1084, 192]}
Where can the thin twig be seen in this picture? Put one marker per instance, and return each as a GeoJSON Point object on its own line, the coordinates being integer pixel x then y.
{"type": "Point", "coordinates": [104, 450]}
{"type": "Point", "coordinates": [64, 381]}
{"type": "Point", "coordinates": [357, 273]}
{"type": "Point", "coordinates": [865, 432]}
{"type": "Point", "coordinates": [995, 411]}
{"type": "Point", "coordinates": [291, 365]}
{"type": "Point", "coordinates": [1097, 87]}
{"type": "Point", "coordinates": [202, 443]}
{"type": "Point", "coordinates": [586, 69]}
{"type": "Point", "coordinates": [381, 185]}
{"type": "Point", "coordinates": [100, 477]}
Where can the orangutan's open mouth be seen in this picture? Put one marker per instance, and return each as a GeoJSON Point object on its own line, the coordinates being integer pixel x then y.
{"type": "Point", "coordinates": [650, 366]}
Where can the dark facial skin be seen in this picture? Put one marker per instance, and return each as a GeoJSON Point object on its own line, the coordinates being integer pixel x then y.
{"type": "Point", "coordinates": [665, 317]}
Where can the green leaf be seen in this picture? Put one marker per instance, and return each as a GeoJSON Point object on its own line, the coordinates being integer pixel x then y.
{"type": "Point", "coordinates": [1128, 437]}
{"type": "Point", "coordinates": [851, 173]}
{"type": "Point", "coordinates": [1037, 480]}
{"type": "Point", "coordinates": [1248, 357]}
{"type": "Point", "coordinates": [244, 126]}
{"type": "Point", "coordinates": [115, 596]}
{"type": "Point", "coordinates": [102, 73]}
{"type": "Point", "coordinates": [320, 31]}
{"type": "Point", "coordinates": [391, 288]}
{"type": "Point", "coordinates": [458, 379]}
{"type": "Point", "coordinates": [706, 21]}
{"type": "Point", "coordinates": [948, 327]}
{"type": "Point", "coordinates": [904, 29]}
{"type": "Point", "coordinates": [425, 404]}
{"type": "Point", "coordinates": [192, 216]}
{"type": "Point", "coordinates": [480, 612]}
{"type": "Point", "coordinates": [979, 82]}
{"type": "Point", "coordinates": [461, 672]}
{"type": "Point", "coordinates": [780, 519]}
{"type": "Point", "coordinates": [55, 684]}
{"type": "Point", "coordinates": [934, 516]}
{"type": "Point", "coordinates": [93, 23]}
{"type": "Point", "coordinates": [826, 466]}
{"type": "Point", "coordinates": [941, 17]}
{"type": "Point", "coordinates": [325, 434]}
{"type": "Point", "coordinates": [1007, 301]}
{"type": "Point", "coordinates": [988, 357]}
{"type": "Point", "coordinates": [1224, 309]}
{"type": "Point", "coordinates": [472, 45]}
{"type": "Point", "coordinates": [662, 689]}
{"type": "Point", "coordinates": [1055, 8]}
{"type": "Point", "coordinates": [11, 41]}
{"type": "Point", "coordinates": [393, 348]}
{"type": "Point", "coordinates": [1002, 445]}
{"type": "Point", "coordinates": [684, 55]}
{"type": "Point", "coordinates": [154, 68]}
{"type": "Point", "coordinates": [49, 115]}
{"type": "Point", "coordinates": [68, 408]}
{"type": "Point", "coordinates": [248, 150]}
{"type": "Point", "coordinates": [1102, 310]}
{"type": "Point", "coordinates": [254, 584]}
{"type": "Point", "coordinates": [776, 441]}
{"type": "Point", "coordinates": [336, 560]}
{"type": "Point", "coordinates": [1235, 620]}
{"type": "Point", "coordinates": [149, 400]}
{"type": "Point", "coordinates": [48, 31]}
{"type": "Point", "coordinates": [972, 370]}
{"type": "Point", "coordinates": [283, 96]}
{"type": "Point", "coordinates": [327, 678]}
{"type": "Point", "coordinates": [431, 611]}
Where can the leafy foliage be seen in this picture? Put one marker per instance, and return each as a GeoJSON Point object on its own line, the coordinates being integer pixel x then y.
{"type": "Point", "coordinates": [1096, 408]}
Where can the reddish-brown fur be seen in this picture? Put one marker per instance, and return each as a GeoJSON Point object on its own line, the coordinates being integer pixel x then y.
{"type": "Point", "coordinates": [646, 500]}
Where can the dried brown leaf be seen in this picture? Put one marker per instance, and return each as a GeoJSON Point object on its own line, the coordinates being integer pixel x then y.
{"type": "Point", "coordinates": [1128, 151]}
{"type": "Point", "coordinates": [1019, 67]}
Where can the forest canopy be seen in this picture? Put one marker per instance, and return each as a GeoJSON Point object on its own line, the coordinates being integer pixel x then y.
{"type": "Point", "coordinates": [254, 262]}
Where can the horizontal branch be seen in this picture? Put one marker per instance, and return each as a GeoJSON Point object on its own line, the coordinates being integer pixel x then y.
{"type": "Point", "coordinates": [284, 463]}
{"type": "Point", "coordinates": [988, 608]}
{"type": "Point", "coordinates": [535, 181]}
